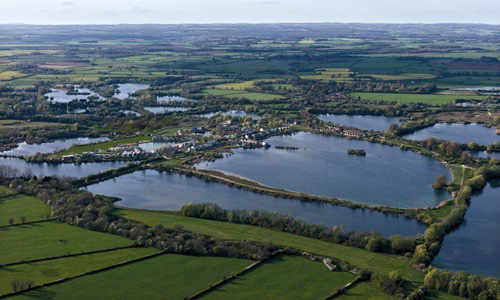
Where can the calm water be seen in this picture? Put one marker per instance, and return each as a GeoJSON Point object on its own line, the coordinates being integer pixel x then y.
{"type": "Point", "coordinates": [152, 146]}
{"type": "Point", "coordinates": [232, 113]}
{"type": "Point", "coordinates": [68, 170]}
{"type": "Point", "coordinates": [474, 246]}
{"type": "Point", "coordinates": [61, 95]}
{"type": "Point", "coordinates": [461, 133]}
{"type": "Point", "coordinates": [166, 191]}
{"type": "Point", "coordinates": [137, 114]}
{"type": "Point", "coordinates": [385, 176]}
{"type": "Point", "coordinates": [163, 109]}
{"type": "Point", "coordinates": [126, 89]}
{"type": "Point", "coordinates": [377, 123]}
{"type": "Point", "coordinates": [32, 149]}
{"type": "Point", "coordinates": [484, 154]}
{"type": "Point", "coordinates": [166, 99]}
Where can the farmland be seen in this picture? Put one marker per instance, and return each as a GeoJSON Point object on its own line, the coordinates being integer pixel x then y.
{"type": "Point", "coordinates": [235, 164]}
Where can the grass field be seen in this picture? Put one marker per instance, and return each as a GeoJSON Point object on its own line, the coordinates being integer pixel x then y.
{"type": "Point", "coordinates": [48, 271]}
{"type": "Point", "coordinates": [241, 94]}
{"type": "Point", "coordinates": [103, 146]}
{"type": "Point", "coordinates": [52, 239]}
{"type": "Point", "coordinates": [31, 208]}
{"type": "Point", "coordinates": [167, 276]}
{"type": "Point", "coordinates": [364, 290]}
{"type": "Point", "coordinates": [305, 279]}
{"type": "Point", "coordinates": [415, 98]}
{"type": "Point", "coordinates": [354, 256]}
{"type": "Point", "coordinates": [18, 124]}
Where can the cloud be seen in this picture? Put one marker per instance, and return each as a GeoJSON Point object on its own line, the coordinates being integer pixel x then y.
{"type": "Point", "coordinates": [66, 3]}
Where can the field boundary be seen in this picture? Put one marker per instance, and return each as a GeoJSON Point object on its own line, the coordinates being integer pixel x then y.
{"type": "Point", "coordinates": [62, 280]}
{"type": "Point", "coordinates": [28, 223]}
{"type": "Point", "coordinates": [66, 256]}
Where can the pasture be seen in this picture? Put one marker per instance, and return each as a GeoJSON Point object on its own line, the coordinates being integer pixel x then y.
{"type": "Point", "coordinates": [284, 277]}
{"type": "Point", "coordinates": [434, 99]}
{"type": "Point", "coordinates": [17, 206]}
{"type": "Point", "coordinates": [168, 276]}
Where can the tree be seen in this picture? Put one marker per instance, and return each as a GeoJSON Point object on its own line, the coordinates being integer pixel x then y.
{"type": "Point", "coordinates": [421, 256]}
{"type": "Point", "coordinates": [22, 219]}
{"type": "Point", "coordinates": [11, 221]}
{"type": "Point", "coordinates": [440, 182]}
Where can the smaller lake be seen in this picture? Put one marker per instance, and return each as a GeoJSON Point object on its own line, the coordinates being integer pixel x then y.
{"type": "Point", "coordinates": [126, 89]}
{"type": "Point", "coordinates": [461, 133]}
{"type": "Point", "coordinates": [167, 99]}
{"type": "Point", "coordinates": [168, 191]}
{"type": "Point", "coordinates": [163, 109]}
{"type": "Point", "coordinates": [232, 113]}
{"type": "Point", "coordinates": [137, 114]}
{"type": "Point", "coordinates": [32, 149]}
{"type": "Point", "coordinates": [61, 95]}
{"type": "Point", "coordinates": [474, 246]}
{"type": "Point", "coordinates": [377, 123]}
{"type": "Point", "coordinates": [68, 170]}
{"type": "Point", "coordinates": [152, 146]}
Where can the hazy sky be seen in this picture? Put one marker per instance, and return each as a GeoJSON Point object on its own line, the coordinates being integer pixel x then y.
{"type": "Point", "coordinates": [248, 11]}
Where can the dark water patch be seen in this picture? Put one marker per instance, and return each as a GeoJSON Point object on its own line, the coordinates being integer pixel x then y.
{"type": "Point", "coordinates": [377, 123]}
{"type": "Point", "coordinates": [461, 133]}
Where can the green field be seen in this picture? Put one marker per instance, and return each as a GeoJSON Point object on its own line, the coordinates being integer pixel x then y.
{"type": "Point", "coordinates": [48, 271]}
{"type": "Point", "coordinates": [167, 276]}
{"type": "Point", "coordinates": [52, 238]}
{"type": "Point", "coordinates": [241, 94]}
{"type": "Point", "coordinates": [103, 146]}
{"type": "Point", "coordinates": [354, 256]}
{"type": "Point", "coordinates": [415, 98]}
{"type": "Point", "coordinates": [14, 207]}
{"type": "Point", "coordinates": [305, 279]}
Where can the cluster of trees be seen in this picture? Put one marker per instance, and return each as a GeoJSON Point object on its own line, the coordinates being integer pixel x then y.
{"type": "Point", "coordinates": [21, 284]}
{"type": "Point", "coordinates": [371, 241]}
{"type": "Point", "coordinates": [83, 209]}
{"type": "Point", "coordinates": [463, 285]}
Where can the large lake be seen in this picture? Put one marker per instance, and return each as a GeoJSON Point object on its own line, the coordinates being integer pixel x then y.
{"type": "Point", "coordinates": [385, 176]}
{"type": "Point", "coordinates": [461, 133]}
{"type": "Point", "coordinates": [377, 123]}
{"type": "Point", "coordinates": [168, 191]}
{"type": "Point", "coordinates": [32, 149]}
{"type": "Point", "coordinates": [475, 246]}
{"type": "Point", "coordinates": [126, 89]}
{"type": "Point", "coordinates": [68, 170]}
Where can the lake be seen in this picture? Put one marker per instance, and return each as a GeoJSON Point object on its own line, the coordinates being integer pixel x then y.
{"type": "Point", "coordinates": [377, 123]}
{"type": "Point", "coordinates": [32, 149]}
{"type": "Point", "coordinates": [131, 112]}
{"type": "Point", "coordinates": [126, 89]}
{"type": "Point", "coordinates": [167, 99]}
{"type": "Point", "coordinates": [474, 246]}
{"type": "Point", "coordinates": [61, 95]}
{"type": "Point", "coordinates": [68, 170]}
{"type": "Point", "coordinates": [169, 191]}
{"type": "Point", "coordinates": [232, 113]}
{"type": "Point", "coordinates": [164, 109]}
{"type": "Point", "coordinates": [152, 146]}
{"type": "Point", "coordinates": [461, 133]}
{"type": "Point", "coordinates": [385, 176]}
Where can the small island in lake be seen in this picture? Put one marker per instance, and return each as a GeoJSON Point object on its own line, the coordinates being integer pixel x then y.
{"type": "Point", "coordinates": [286, 148]}
{"type": "Point", "coordinates": [359, 152]}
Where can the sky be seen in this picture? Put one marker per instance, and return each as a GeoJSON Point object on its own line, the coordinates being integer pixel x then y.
{"type": "Point", "coordinates": [248, 11]}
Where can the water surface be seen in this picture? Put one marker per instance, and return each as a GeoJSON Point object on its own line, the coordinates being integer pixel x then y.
{"type": "Point", "coordinates": [167, 191]}
{"type": "Point", "coordinates": [68, 170]}
{"type": "Point", "coordinates": [377, 123]}
{"type": "Point", "coordinates": [385, 176]}
{"type": "Point", "coordinates": [61, 95]}
{"type": "Point", "coordinates": [475, 246]}
{"type": "Point", "coordinates": [43, 148]}
{"type": "Point", "coordinates": [126, 89]}
{"type": "Point", "coordinates": [163, 109]}
{"type": "Point", "coordinates": [232, 113]}
{"type": "Point", "coordinates": [167, 99]}
{"type": "Point", "coordinates": [461, 133]}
